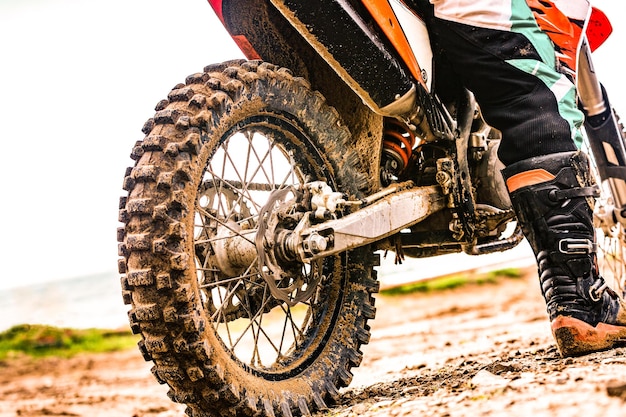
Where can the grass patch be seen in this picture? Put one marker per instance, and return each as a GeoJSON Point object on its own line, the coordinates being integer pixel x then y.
{"type": "Point", "coordinates": [454, 281]}
{"type": "Point", "coordinates": [41, 340]}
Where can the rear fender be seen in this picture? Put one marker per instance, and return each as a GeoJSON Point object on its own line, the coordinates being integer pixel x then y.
{"type": "Point", "coordinates": [273, 39]}
{"type": "Point", "coordinates": [242, 42]}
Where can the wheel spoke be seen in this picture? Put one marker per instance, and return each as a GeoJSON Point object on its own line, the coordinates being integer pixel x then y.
{"type": "Point", "coordinates": [221, 282]}
{"type": "Point", "coordinates": [208, 215]}
{"type": "Point", "coordinates": [289, 320]}
{"type": "Point", "coordinates": [256, 353]}
{"type": "Point", "coordinates": [256, 320]}
{"type": "Point", "coordinates": [261, 161]}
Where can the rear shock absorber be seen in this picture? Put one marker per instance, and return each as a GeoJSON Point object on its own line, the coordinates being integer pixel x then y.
{"type": "Point", "coordinates": [398, 143]}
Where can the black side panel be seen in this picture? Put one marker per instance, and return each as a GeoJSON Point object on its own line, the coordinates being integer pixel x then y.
{"type": "Point", "coordinates": [351, 37]}
{"type": "Point", "coordinates": [352, 43]}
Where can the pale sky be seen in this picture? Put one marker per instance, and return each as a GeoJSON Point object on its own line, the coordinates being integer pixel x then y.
{"type": "Point", "coordinates": [77, 81]}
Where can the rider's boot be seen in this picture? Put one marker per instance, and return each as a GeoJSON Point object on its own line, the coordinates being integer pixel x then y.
{"type": "Point", "coordinates": [553, 197]}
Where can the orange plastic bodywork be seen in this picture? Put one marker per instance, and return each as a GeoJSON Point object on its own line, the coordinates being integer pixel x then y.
{"type": "Point", "coordinates": [566, 33]}
{"type": "Point", "coordinates": [383, 14]}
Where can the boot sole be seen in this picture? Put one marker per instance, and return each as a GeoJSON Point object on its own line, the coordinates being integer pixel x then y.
{"type": "Point", "coordinates": [575, 337]}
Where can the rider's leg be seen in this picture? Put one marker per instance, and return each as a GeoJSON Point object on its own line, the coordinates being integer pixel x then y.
{"type": "Point", "coordinates": [510, 68]}
{"type": "Point", "coordinates": [513, 77]}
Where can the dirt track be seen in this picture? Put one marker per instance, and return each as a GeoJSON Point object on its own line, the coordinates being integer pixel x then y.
{"type": "Point", "coordinates": [484, 350]}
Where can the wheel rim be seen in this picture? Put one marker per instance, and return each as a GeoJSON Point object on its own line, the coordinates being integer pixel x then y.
{"type": "Point", "coordinates": [611, 237]}
{"type": "Point", "coordinates": [266, 336]}
{"type": "Point", "coordinates": [612, 254]}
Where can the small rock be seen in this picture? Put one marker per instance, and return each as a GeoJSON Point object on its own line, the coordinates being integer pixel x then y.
{"type": "Point", "coordinates": [486, 379]}
{"type": "Point", "coordinates": [562, 380]}
{"type": "Point", "coordinates": [360, 408]}
{"type": "Point", "coordinates": [617, 389]}
{"type": "Point", "coordinates": [500, 368]}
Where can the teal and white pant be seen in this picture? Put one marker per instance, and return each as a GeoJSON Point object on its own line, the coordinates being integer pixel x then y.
{"type": "Point", "coordinates": [497, 50]}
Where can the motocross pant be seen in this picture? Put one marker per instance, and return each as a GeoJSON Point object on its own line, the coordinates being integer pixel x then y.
{"type": "Point", "coordinates": [497, 50]}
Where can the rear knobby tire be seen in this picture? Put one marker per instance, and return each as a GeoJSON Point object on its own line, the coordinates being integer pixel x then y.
{"type": "Point", "coordinates": [212, 153]}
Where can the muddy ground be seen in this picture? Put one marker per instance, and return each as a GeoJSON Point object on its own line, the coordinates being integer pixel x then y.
{"type": "Point", "coordinates": [484, 350]}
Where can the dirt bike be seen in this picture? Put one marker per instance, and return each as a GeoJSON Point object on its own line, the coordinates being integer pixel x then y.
{"type": "Point", "coordinates": [265, 190]}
